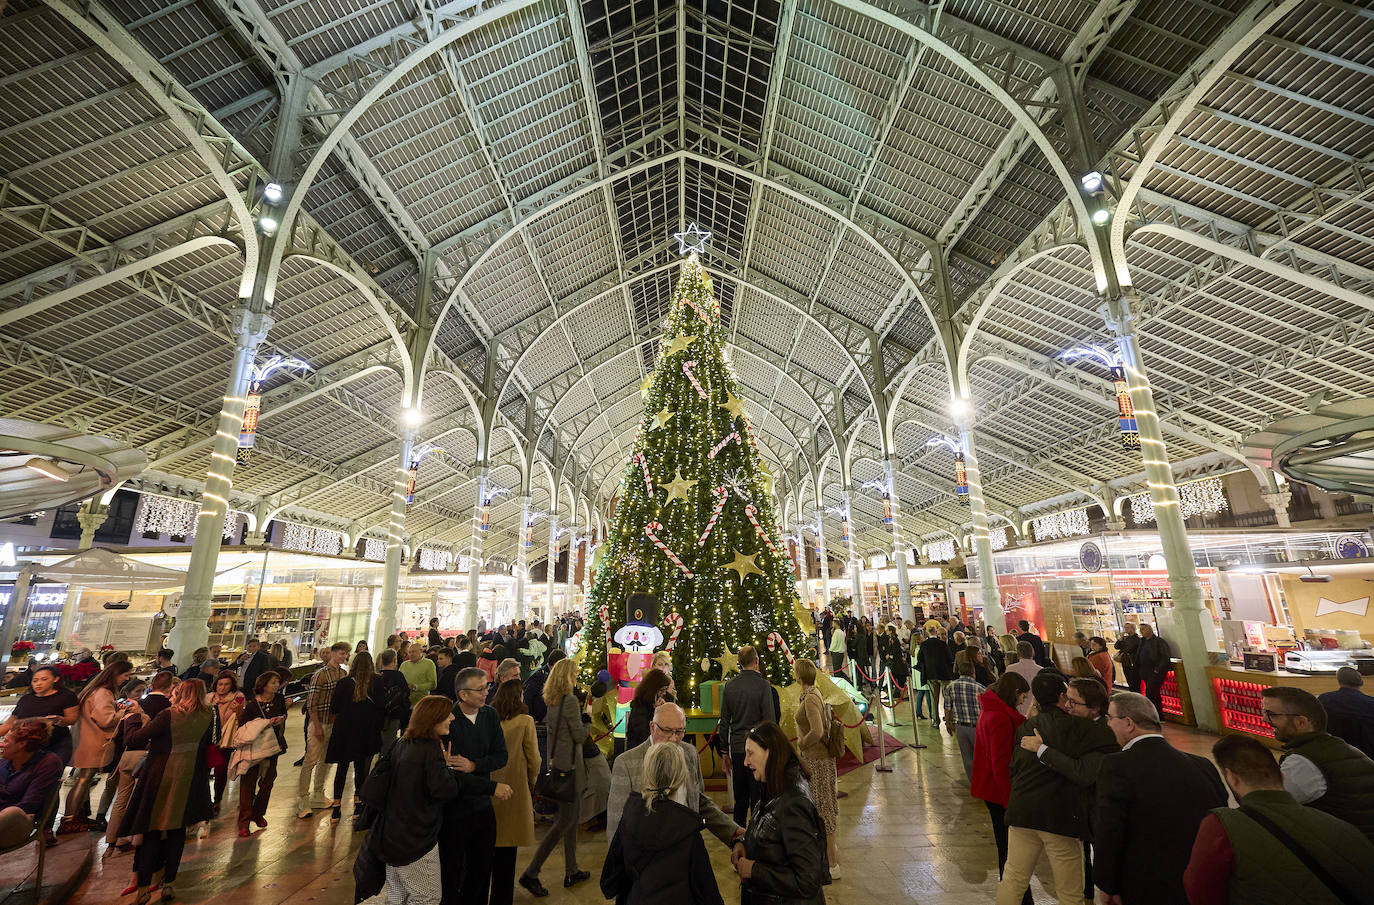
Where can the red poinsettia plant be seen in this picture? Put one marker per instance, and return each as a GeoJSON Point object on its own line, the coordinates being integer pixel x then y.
{"type": "Point", "coordinates": [106, 648]}
{"type": "Point", "coordinates": [21, 647]}
{"type": "Point", "coordinates": [77, 675]}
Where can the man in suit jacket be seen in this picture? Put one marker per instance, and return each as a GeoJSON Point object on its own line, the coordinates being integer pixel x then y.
{"type": "Point", "coordinates": [1151, 799]}
{"type": "Point", "coordinates": [667, 726]}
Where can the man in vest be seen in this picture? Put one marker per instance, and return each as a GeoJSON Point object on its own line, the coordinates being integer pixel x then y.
{"type": "Point", "coordinates": [1272, 850]}
{"type": "Point", "coordinates": [1319, 769]}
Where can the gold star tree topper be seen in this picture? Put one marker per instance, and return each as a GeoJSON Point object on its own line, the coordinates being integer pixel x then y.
{"type": "Point", "coordinates": [677, 488]}
{"type": "Point", "coordinates": [744, 566]}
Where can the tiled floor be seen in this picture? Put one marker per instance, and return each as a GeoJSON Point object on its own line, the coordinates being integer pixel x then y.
{"type": "Point", "coordinates": [912, 835]}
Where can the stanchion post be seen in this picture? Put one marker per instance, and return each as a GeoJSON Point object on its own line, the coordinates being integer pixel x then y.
{"type": "Point", "coordinates": [883, 765]}
{"type": "Point", "coordinates": [915, 719]}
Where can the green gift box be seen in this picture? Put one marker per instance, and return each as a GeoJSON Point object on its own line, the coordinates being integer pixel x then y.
{"type": "Point", "coordinates": [710, 693]}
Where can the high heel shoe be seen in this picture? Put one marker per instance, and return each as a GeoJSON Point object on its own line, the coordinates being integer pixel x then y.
{"type": "Point", "coordinates": [167, 893]}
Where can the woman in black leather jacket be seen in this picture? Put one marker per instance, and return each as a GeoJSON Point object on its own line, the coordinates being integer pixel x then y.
{"type": "Point", "coordinates": [782, 859]}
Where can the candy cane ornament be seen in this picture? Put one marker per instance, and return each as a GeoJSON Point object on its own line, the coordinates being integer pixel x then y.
{"type": "Point", "coordinates": [644, 467]}
{"type": "Point", "coordinates": [674, 622]}
{"type": "Point", "coordinates": [754, 520]}
{"type": "Point", "coordinates": [715, 450]}
{"type": "Point", "coordinates": [720, 494]}
{"type": "Point", "coordinates": [652, 530]}
{"type": "Point", "coordinates": [773, 640]}
{"type": "Point", "coordinates": [687, 369]}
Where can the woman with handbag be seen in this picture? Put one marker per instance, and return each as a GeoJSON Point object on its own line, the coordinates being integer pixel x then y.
{"type": "Point", "coordinates": [514, 816]}
{"type": "Point", "coordinates": [359, 712]}
{"type": "Point", "coordinates": [173, 789]}
{"type": "Point", "coordinates": [813, 735]}
{"type": "Point", "coordinates": [565, 780]}
{"type": "Point", "coordinates": [98, 717]}
{"type": "Point", "coordinates": [782, 861]}
{"type": "Point", "coordinates": [255, 785]}
{"type": "Point", "coordinates": [226, 707]}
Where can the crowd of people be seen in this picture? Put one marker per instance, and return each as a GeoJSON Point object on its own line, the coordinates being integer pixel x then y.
{"type": "Point", "coordinates": [461, 748]}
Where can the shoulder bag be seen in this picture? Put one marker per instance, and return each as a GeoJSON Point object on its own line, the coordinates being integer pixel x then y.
{"type": "Point", "coordinates": [556, 785]}
{"type": "Point", "coordinates": [1343, 895]}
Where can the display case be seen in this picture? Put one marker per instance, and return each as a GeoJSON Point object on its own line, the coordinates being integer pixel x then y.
{"type": "Point", "coordinates": [1238, 696]}
{"type": "Point", "coordinates": [1095, 615]}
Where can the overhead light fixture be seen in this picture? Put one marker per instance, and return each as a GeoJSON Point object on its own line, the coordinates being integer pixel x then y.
{"type": "Point", "coordinates": [412, 417]}
{"type": "Point", "coordinates": [1091, 182]}
{"type": "Point", "coordinates": [48, 469]}
{"type": "Point", "coordinates": [268, 225]}
{"type": "Point", "coordinates": [272, 193]}
{"type": "Point", "coordinates": [958, 407]}
{"type": "Point", "coordinates": [1101, 216]}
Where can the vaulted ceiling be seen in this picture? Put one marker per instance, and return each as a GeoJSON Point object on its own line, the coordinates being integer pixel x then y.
{"type": "Point", "coordinates": [503, 179]}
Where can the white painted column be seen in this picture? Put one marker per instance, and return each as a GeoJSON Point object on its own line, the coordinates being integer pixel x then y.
{"type": "Point", "coordinates": [553, 563]}
{"type": "Point", "coordinates": [824, 560]}
{"type": "Point", "coordinates": [384, 625]}
{"type": "Point", "coordinates": [898, 544]}
{"type": "Point", "coordinates": [1195, 633]}
{"type": "Point", "coordinates": [982, 541]}
{"type": "Point", "coordinates": [469, 615]}
{"type": "Point", "coordinates": [522, 560]}
{"type": "Point", "coordinates": [855, 582]}
{"type": "Point", "coordinates": [192, 628]}
{"type": "Point", "coordinates": [14, 614]}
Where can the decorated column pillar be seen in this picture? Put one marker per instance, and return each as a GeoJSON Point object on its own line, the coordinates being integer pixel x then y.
{"type": "Point", "coordinates": [14, 615]}
{"type": "Point", "coordinates": [892, 515]}
{"type": "Point", "coordinates": [385, 623]}
{"type": "Point", "coordinates": [91, 516]}
{"type": "Point", "coordinates": [855, 580]}
{"type": "Point", "coordinates": [192, 628]}
{"type": "Point", "coordinates": [982, 541]}
{"type": "Point", "coordinates": [821, 557]}
{"type": "Point", "coordinates": [1194, 633]}
{"type": "Point", "coordinates": [479, 533]}
{"type": "Point", "coordinates": [553, 564]}
{"type": "Point", "coordinates": [522, 557]}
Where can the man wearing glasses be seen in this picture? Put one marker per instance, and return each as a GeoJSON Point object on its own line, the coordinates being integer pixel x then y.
{"type": "Point", "coordinates": [476, 747]}
{"type": "Point", "coordinates": [1319, 770]}
{"type": "Point", "coordinates": [668, 725]}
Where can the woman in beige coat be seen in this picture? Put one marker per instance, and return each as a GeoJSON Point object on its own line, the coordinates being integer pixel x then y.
{"type": "Point", "coordinates": [515, 815]}
{"type": "Point", "coordinates": [97, 719]}
{"type": "Point", "coordinates": [813, 727]}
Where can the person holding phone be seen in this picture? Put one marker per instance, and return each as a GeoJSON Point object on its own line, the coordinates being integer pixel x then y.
{"type": "Point", "coordinates": [255, 786]}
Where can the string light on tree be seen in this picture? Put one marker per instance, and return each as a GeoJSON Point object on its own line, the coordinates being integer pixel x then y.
{"type": "Point", "coordinates": [1069, 523]}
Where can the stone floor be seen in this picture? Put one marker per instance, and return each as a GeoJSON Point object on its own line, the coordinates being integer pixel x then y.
{"type": "Point", "coordinates": [911, 835]}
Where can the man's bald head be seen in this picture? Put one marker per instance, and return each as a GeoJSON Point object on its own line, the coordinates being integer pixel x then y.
{"type": "Point", "coordinates": [668, 725]}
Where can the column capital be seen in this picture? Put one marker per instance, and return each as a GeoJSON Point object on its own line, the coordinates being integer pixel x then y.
{"type": "Point", "coordinates": [1278, 499]}
{"type": "Point", "coordinates": [250, 327]}
{"type": "Point", "coordinates": [1121, 313]}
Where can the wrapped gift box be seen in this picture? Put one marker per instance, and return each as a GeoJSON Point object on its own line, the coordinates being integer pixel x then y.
{"type": "Point", "coordinates": [710, 692]}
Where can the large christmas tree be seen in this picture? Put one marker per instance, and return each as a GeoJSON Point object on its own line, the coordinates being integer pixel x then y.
{"type": "Point", "coordinates": [694, 522]}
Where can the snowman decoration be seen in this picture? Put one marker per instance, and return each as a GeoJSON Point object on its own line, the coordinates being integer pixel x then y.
{"type": "Point", "coordinates": [639, 635]}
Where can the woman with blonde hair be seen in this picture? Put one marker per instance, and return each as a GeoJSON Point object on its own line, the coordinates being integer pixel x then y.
{"type": "Point", "coordinates": [813, 731]}
{"type": "Point", "coordinates": [173, 788]}
{"type": "Point", "coordinates": [566, 733]}
{"type": "Point", "coordinates": [657, 855]}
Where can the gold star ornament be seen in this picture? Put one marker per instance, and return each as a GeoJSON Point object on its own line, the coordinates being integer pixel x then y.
{"type": "Point", "coordinates": [677, 488]}
{"type": "Point", "coordinates": [733, 404]}
{"type": "Point", "coordinates": [729, 662]}
{"type": "Point", "coordinates": [645, 386]}
{"type": "Point", "coordinates": [680, 344]}
{"type": "Point", "coordinates": [663, 417]}
{"type": "Point", "coordinates": [744, 566]}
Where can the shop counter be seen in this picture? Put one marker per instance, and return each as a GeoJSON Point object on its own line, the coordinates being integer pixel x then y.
{"type": "Point", "coordinates": [1238, 696]}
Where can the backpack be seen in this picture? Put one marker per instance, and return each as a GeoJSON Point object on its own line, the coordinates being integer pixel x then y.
{"type": "Point", "coordinates": [834, 736]}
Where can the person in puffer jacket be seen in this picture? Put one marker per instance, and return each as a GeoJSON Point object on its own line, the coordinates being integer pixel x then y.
{"type": "Point", "coordinates": [657, 855]}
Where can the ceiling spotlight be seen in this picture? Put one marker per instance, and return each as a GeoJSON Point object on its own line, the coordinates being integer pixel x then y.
{"type": "Point", "coordinates": [1101, 216]}
{"type": "Point", "coordinates": [1091, 182]}
{"type": "Point", "coordinates": [412, 417]}
{"type": "Point", "coordinates": [268, 225]}
{"type": "Point", "coordinates": [958, 407]}
{"type": "Point", "coordinates": [48, 469]}
{"type": "Point", "coordinates": [272, 193]}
